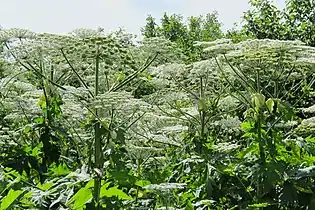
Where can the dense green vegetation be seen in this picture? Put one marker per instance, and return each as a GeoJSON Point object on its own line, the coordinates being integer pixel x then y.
{"type": "Point", "coordinates": [173, 28]}
{"type": "Point", "coordinates": [190, 117]}
{"type": "Point", "coordinates": [295, 21]}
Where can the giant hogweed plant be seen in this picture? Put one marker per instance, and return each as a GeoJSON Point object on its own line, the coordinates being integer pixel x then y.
{"type": "Point", "coordinates": [98, 103]}
{"type": "Point", "coordinates": [220, 133]}
{"type": "Point", "coordinates": [264, 75]}
{"type": "Point", "coordinates": [195, 97]}
{"type": "Point", "coordinates": [46, 47]}
{"type": "Point", "coordinates": [269, 80]}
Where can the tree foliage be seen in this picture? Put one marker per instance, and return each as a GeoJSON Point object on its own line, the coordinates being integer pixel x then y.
{"type": "Point", "coordinates": [173, 28]}
{"type": "Point", "coordinates": [295, 21]}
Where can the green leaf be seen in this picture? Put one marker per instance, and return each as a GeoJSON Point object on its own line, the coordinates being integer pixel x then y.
{"type": "Point", "coordinates": [189, 206]}
{"type": "Point", "coordinates": [258, 205]}
{"type": "Point", "coordinates": [253, 148]}
{"type": "Point", "coordinates": [202, 105]}
{"type": "Point", "coordinates": [10, 199]}
{"type": "Point", "coordinates": [270, 104]}
{"type": "Point", "coordinates": [114, 192]}
{"type": "Point", "coordinates": [27, 129]}
{"type": "Point", "coordinates": [142, 183]}
{"type": "Point", "coordinates": [82, 197]}
{"type": "Point", "coordinates": [246, 126]}
{"type": "Point", "coordinates": [113, 134]}
{"type": "Point", "coordinates": [60, 170]}
{"type": "Point", "coordinates": [36, 151]}
{"type": "Point", "coordinates": [27, 198]}
{"type": "Point", "coordinates": [258, 100]}
{"type": "Point", "coordinates": [39, 120]}
{"type": "Point", "coordinates": [45, 186]}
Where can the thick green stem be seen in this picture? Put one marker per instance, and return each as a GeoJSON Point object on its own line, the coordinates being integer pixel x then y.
{"type": "Point", "coordinates": [261, 152]}
{"type": "Point", "coordinates": [98, 162]}
{"type": "Point", "coordinates": [138, 175]}
{"type": "Point", "coordinates": [202, 115]}
{"type": "Point", "coordinates": [97, 143]}
{"type": "Point", "coordinates": [261, 140]}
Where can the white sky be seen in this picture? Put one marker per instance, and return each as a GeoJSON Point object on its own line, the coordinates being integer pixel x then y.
{"type": "Point", "coordinates": [62, 16]}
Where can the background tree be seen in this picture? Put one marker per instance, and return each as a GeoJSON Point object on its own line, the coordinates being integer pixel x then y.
{"type": "Point", "coordinates": [150, 29]}
{"type": "Point", "coordinates": [185, 33]}
{"type": "Point", "coordinates": [295, 21]}
{"type": "Point", "coordinates": [237, 34]}
{"type": "Point", "coordinates": [264, 20]}
{"type": "Point", "coordinates": [211, 27]}
{"type": "Point", "coordinates": [299, 17]}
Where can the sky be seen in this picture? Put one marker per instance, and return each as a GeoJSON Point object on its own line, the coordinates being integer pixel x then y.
{"type": "Point", "coordinates": [62, 16]}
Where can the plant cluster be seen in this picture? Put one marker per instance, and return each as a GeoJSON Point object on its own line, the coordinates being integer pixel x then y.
{"type": "Point", "coordinates": [94, 121]}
